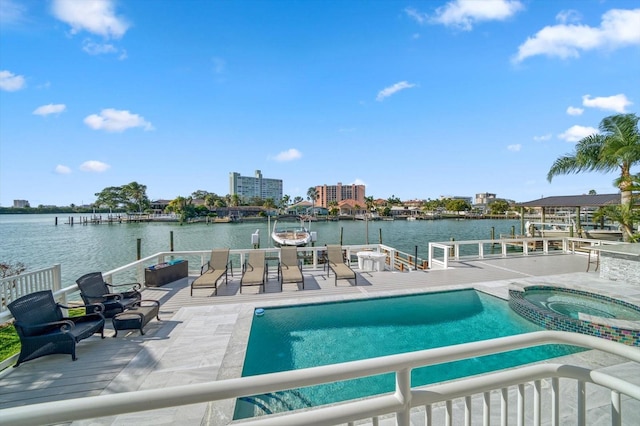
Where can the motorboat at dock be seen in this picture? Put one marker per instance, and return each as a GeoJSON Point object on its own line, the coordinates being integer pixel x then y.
{"type": "Point", "coordinates": [289, 230]}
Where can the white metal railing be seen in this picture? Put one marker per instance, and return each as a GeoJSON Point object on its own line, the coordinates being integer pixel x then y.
{"type": "Point", "coordinates": [50, 278]}
{"type": "Point", "coordinates": [398, 404]}
{"type": "Point", "coordinates": [16, 286]}
{"type": "Point", "coordinates": [441, 253]}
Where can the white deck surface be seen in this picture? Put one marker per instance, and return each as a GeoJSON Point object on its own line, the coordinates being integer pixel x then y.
{"type": "Point", "coordinates": [203, 338]}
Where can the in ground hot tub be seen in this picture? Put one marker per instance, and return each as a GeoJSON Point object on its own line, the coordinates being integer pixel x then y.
{"type": "Point", "coordinates": [565, 309]}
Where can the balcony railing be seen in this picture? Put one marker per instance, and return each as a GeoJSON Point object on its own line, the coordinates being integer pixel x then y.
{"type": "Point", "coordinates": [497, 391]}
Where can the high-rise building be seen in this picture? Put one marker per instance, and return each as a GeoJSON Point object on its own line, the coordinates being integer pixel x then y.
{"type": "Point", "coordinates": [20, 203]}
{"type": "Point", "coordinates": [339, 192]}
{"type": "Point", "coordinates": [248, 187]}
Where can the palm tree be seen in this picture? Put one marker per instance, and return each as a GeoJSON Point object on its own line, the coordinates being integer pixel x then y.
{"type": "Point", "coordinates": [617, 146]}
{"type": "Point", "coordinates": [312, 194]}
{"type": "Point", "coordinates": [368, 201]}
{"type": "Point", "coordinates": [285, 202]}
{"type": "Point", "coordinates": [209, 201]}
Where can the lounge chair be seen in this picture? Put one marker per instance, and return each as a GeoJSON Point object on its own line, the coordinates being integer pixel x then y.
{"type": "Point", "coordinates": [44, 330]}
{"type": "Point", "coordinates": [94, 289]}
{"type": "Point", "coordinates": [290, 267]}
{"type": "Point", "coordinates": [213, 271]}
{"type": "Point", "coordinates": [253, 270]}
{"type": "Point", "coordinates": [337, 264]}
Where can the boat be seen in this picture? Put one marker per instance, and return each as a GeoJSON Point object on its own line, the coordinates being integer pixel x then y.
{"type": "Point", "coordinates": [570, 229]}
{"type": "Point", "coordinates": [606, 232]}
{"type": "Point", "coordinates": [289, 230]}
{"type": "Point", "coordinates": [551, 229]}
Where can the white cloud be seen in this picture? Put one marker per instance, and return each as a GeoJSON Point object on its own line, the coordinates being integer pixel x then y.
{"type": "Point", "coordinates": [288, 155]}
{"type": "Point", "coordinates": [542, 138]}
{"type": "Point", "coordinates": [94, 166]}
{"type": "Point", "coordinates": [420, 18]}
{"type": "Point", "coordinates": [618, 28]}
{"type": "Point", "coordinates": [617, 103]}
{"type": "Point", "coordinates": [575, 111]}
{"type": "Point", "coordinates": [93, 48]}
{"type": "Point", "coordinates": [113, 120]}
{"type": "Point", "coordinates": [358, 181]}
{"type": "Point", "coordinates": [94, 16]}
{"type": "Point", "coordinates": [11, 82]}
{"type": "Point", "coordinates": [62, 170]}
{"type": "Point", "coordinates": [11, 12]}
{"type": "Point", "coordinates": [514, 148]}
{"type": "Point", "coordinates": [568, 16]}
{"type": "Point", "coordinates": [49, 109]}
{"type": "Point", "coordinates": [575, 133]}
{"type": "Point", "coordinates": [463, 14]}
{"type": "Point", "coordinates": [388, 91]}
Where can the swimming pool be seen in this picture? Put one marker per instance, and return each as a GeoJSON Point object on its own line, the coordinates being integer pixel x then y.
{"type": "Point", "coordinates": [568, 309]}
{"type": "Point", "coordinates": [298, 337]}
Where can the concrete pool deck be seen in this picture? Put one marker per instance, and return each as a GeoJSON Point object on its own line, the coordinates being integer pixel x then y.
{"type": "Point", "coordinates": [173, 351]}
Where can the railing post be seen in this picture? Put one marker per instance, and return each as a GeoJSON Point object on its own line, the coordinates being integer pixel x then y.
{"type": "Point", "coordinates": [57, 278]}
{"type": "Point", "coordinates": [520, 408]}
{"type": "Point", "coordinates": [486, 409]}
{"type": "Point", "coordinates": [537, 402]}
{"type": "Point", "coordinates": [616, 409]}
{"type": "Point", "coordinates": [555, 401]}
{"type": "Point", "coordinates": [403, 393]}
{"type": "Point", "coordinates": [582, 405]}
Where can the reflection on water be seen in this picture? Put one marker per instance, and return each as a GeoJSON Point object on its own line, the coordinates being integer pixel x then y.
{"type": "Point", "coordinates": [35, 241]}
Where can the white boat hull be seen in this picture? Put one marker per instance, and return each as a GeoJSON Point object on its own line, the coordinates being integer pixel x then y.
{"type": "Point", "coordinates": [290, 233]}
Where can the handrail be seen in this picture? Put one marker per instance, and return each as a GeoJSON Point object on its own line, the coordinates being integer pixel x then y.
{"type": "Point", "coordinates": [28, 282]}
{"type": "Point", "coordinates": [451, 249]}
{"type": "Point", "coordinates": [400, 402]}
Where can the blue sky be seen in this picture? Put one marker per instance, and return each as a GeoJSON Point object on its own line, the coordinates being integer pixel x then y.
{"type": "Point", "coordinates": [415, 99]}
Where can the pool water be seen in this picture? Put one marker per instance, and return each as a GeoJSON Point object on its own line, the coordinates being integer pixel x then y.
{"type": "Point", "coordinates": [573, 304]}
{"type": "Point", "coordinates": [298, 337]}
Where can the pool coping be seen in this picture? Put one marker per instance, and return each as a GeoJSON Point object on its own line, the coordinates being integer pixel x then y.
{"type": "Point", "coordinates": [233, 360]}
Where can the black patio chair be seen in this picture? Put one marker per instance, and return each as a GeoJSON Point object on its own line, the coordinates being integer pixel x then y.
{"type": "Point", "coordinates": [44, 330]}
{"type": "Point", "coordinates": [93, 289]}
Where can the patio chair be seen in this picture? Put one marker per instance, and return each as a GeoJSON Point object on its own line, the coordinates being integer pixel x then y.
{"type": "Point", "coordinates": [213, 271]}
{"type": "Point", "coordinates": [290, 267]}
{"type": "Point", "coordinates": [253, 270]}
{"type": "Point", "coordinates": [44, 330]}
{"type": "Point", "coordinates": [336, 263]}
{"type": "Point", "coordinates": [94, 289]}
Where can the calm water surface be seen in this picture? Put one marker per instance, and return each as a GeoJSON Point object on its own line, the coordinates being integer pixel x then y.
{"type": "Point", "coordinates": [35, 240]}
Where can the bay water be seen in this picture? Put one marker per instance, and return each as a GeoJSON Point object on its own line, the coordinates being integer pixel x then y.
{"type": "Point", "coordinates": [37, 242]}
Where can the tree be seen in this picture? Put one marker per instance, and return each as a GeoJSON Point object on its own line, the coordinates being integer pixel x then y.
{"type": "Point", "coordinates": [297, 199]}
{"type": "Point", "coordinates": [370, 203]}
{"type": "Point", "coordinates": [269, 204]}
{"type": "Point", "coordinates": [312, 194]}
{"type": "Point", "coordinates": [135, 195]}
{"type": "Point", "coordinates": [200, 194]}
{"type": "Point", "coordinates": [209, 200]}
{"type": "Point", "coordinates": [284, 203]}
{"type": "Point", "coordinates": [333, 208]}
{"type": "Point", "coordinates": [394, 201]}
{"type": "Point", "coordinates": [616, 147]}
{"type": "Point", "coordinates": [457, 205]}
{"type": "Point", "coordinates": [498, 207]}
{"type": "Point", "coordinates": [110, 197]}
{"type": "Point", "coordinates": [182, 206]}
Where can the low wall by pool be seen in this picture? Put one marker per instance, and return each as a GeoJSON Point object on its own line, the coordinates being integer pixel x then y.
{"type": "Point", "coordinates": [623, 331]}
